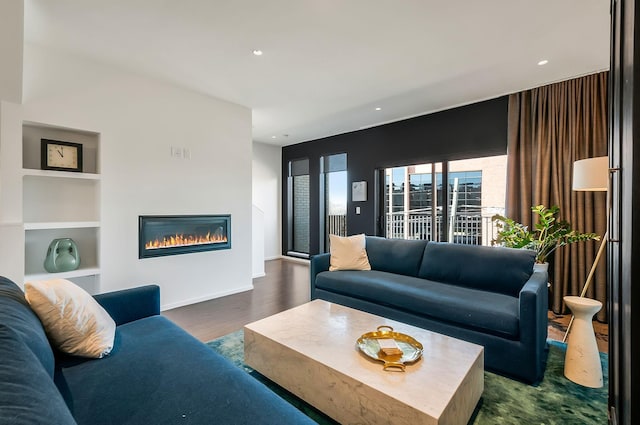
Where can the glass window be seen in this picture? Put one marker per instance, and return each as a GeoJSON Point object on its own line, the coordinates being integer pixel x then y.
{"type": "Point", "coordinates": [334, 168]}
{"type": "Point", "coordinates": [299, 206]}
{"type": "Point", "coordinates": [409, 201]}
{"type": "Point", "coordinates": [475, 190]}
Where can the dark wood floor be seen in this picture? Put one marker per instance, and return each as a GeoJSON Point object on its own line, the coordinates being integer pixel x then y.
{"type": "Point", "coordinates": [286, 285]}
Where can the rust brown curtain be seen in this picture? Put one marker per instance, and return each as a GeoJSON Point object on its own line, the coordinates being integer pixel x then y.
{"type": "Point", "coordinates": [549, 128]}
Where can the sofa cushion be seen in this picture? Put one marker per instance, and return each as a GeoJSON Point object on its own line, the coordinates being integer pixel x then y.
{"type": "Point", "coordinates": [489, 312]}
{"type": "Point", "coordinates": [73, 320]}
{"type": "Point", "coordinates": [27, 393]}
{"type": "Point", "coordinates": [395, 255]}
{"type": "Point", "coordinates": [348, 253]}
{"type": "Point", "coordinates": [159, 374]}
{"type": "Point", "coordinates": [16, 314]}
{"type": "Point", "coordinates": [496, 269]}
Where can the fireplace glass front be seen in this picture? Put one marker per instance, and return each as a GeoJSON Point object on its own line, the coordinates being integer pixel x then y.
{"type": "Point", "coordinates": [182, 234]}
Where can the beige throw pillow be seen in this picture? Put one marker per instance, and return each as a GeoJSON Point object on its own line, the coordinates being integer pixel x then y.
{"type": "Point", "coordinates": [348, 253]}
{"type": "Point", "coordinates": [74, 321]}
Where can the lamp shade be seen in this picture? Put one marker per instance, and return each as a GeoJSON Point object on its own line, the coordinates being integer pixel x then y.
{"type": "Point", "coordinates": [591, 174]}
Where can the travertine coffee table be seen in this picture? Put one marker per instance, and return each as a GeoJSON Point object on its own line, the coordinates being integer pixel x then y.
{"type": "Point", "coordinates": [311, 351]}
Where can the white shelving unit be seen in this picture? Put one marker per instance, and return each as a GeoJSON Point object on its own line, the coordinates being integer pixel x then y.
{"type": "Point", "coordinates": [59, 174]}
{"type": "Point", "coordinates": [59, 204]}
{"type": "Point", "coordinates": [61, 225]}
{"type": "Point", "coordinates": [64, 275]}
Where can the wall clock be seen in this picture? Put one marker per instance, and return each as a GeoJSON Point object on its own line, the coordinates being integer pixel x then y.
{"type": "Point", "coordinates": [61, 156]}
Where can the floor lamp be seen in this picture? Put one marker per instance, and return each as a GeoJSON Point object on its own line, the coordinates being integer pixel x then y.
{"type": "Point", "coordinates": [582, 361]}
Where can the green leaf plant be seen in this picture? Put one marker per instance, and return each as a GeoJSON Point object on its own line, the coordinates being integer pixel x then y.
{"type": "Point", "coordinates": [549, 233]}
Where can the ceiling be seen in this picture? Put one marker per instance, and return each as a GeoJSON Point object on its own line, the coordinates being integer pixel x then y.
{"type": "Point", "coordinates": [328, 64]}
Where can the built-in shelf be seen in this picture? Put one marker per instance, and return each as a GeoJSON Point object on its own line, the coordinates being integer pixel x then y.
{"type": "Point", "coordinates": [61, 204]}
{"type": "Point", "coordinates": [92, 271]}
{"type": "Point", "coordinates": [61, 225]}
{"type": "Point", "coordinates": [59, 174]}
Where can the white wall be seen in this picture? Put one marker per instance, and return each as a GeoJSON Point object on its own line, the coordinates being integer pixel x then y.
{"type": "Point", "coordinates": [138, 120]}
{"type": "Point", "coordinates": [11, 230]}
{"type": "Point", "coordinates": [267, 170]}
{"type": "Point", "coordinates": [11, 36]}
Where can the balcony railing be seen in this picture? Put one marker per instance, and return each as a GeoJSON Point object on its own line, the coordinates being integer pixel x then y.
{"type": "Point", "coordinates": [470, 228]}
{"type": "Point", "coordinates": [337, 225]}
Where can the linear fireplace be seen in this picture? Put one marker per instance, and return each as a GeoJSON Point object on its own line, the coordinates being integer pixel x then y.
{"type": "Point", "coordinates": [160, 235]}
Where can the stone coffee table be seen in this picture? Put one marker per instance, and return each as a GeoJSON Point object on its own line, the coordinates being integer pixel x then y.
{"type": "Point", "coordinates": [311, 351]}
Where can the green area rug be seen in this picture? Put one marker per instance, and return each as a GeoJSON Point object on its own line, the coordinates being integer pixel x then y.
{"type": "Point", "coordinates": [556, 400]}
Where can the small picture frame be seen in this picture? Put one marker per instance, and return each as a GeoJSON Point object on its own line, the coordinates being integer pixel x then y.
{"type": "Point", "coordinates": [359, 191]}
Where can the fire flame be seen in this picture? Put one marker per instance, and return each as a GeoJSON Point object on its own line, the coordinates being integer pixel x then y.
{"type": "Point", "coordinates": [185, 240]}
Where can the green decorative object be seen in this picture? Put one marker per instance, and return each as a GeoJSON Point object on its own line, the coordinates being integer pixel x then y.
{"type": "Point", "coordinates": [62, 256]}
{"type": "Point", "coordinates": [549, 233]}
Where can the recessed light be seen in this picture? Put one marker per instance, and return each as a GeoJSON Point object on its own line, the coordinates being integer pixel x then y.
{"type": "Point", "coordinates": [257, 52]}
{"type": "Point", "coordinates": [378, 108]}
{"type": "Point", "coordinates": [274, 137]}
{"type": "Point", "coordinates": [543, 62]}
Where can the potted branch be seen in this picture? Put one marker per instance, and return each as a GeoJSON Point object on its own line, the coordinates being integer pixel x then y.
{"type": "Point", "coordinates": [549, 233]}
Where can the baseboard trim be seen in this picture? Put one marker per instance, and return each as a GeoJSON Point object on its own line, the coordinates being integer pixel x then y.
{"type": "Point", "coordinates": [207, 297]}
{"type": "Point", "coordinates": [295, 259]}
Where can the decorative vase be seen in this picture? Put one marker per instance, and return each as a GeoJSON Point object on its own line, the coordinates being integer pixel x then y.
{"type": "Point", "coordinates": [62, 256]}
{"type": "Point", "coordinates": [541, 267]}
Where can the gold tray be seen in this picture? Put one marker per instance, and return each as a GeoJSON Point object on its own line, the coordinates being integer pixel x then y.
{"type": "Point", "coordinates": [411, 349]}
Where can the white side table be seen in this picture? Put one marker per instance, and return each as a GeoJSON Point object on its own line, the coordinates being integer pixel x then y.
{"type": "Point", "coordinates": [582, 361]}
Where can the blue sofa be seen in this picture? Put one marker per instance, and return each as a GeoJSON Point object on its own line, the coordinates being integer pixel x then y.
{"type": "Point", "coordinates": [156, 374]}
{"type": "Point", "coordinates": [486, 295]}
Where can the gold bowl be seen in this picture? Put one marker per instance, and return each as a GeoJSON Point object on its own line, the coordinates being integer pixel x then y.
{"type": "Point", "coordinates": [411, 349]}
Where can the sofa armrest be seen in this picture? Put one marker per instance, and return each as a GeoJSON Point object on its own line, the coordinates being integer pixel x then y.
{"type": "Point", "coordinates": [534, 306]}
{"type": "Point", "coordinates": [318, 263]}
{"type": "Point", "coordinates": [132, 304]}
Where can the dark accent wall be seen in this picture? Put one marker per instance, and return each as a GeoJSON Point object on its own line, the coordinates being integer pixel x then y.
{"type": "Point", "coordinates": [479, 129]}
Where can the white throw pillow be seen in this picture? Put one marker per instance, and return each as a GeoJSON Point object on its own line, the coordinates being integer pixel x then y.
{"type": "Point", "coordinates": [348, 253]}
{"type": "Point", "coordinates": [74, 321]}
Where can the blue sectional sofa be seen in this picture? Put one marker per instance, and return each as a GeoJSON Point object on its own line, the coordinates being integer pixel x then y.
{"type": "Point", "coordinates": [156, 373]}
{"type": "Point", "coordinates": [486, 295]}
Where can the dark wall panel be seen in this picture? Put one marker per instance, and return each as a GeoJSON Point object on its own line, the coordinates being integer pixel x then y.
{"type": "Point", "coordinates": [479, 129]}
{"type": "Point", "coordinates": [623, 253]}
